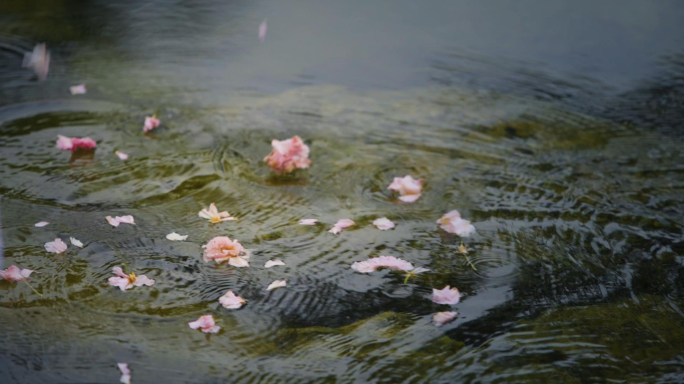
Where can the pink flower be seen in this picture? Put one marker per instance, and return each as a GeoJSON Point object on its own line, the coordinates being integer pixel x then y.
{"type": "Point", "coordinates": [308, 221]}
{"type": "Point", "coordinates": [115, 221]}
{"type": "Point", "coordinates": [78, 89]}
{"type": "Point", "coordinates": [262, 30]}
{"type": "Point", "coordinates": [273, 263]}
{"type": "Point", "coordinates": [125, 373]}
{"type": "Point", "coordinates": [13, 273]}
{"type": "Point", "coordinates": [57, 246]}
{"type": "Point", "coordinates": [383, 223]}
{"type": "Point", "coordinates": [124, 281]}
{"type": "Point", "coordinates": [41, 224]}
{"type": "Point", "coordinates": [121, 155]}
{"type": "Point", "coordinates": [446, 296]}
{"type": "Point", "coordinates": [231, 301]}
{"type": "Point", "coordinates": [276, 284]}
{"type": "Point", "coordinates": [441, 318]}
{"type": "Point", "coordinates": [151, 122]}
{"type": "Point", "coordinates": [288, 155]}
{"type": "Point", "coordinates": [340, 225]}
{"type": "Point", "coordinates": [408, 188]}
{"type": "Point", "coordinates": [453, 223]}
{"type": "Point", "coordinates": [222, 248]}
{"type": "Point", "coordinates": [75, 144]}
{"type": "Point", "coordinates": [212, 214]}
{"type": "Point", "coordinates": [371, 265]}
{"type": "Point", "coordinates": [206, 324]}
{"type": "Point", "coordinates": [38, 60]}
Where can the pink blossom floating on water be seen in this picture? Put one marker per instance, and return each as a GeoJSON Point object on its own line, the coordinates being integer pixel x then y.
{"type": "Point", "coordinates": [115, 221]}
{"type": "Point", "coordinates": [57, 246]}
{"type": "Point", "coordinates": [287, 155]}
{"type": "Point", "coordinates": [408, 188]}
{"type": "Point", "coordinates": [38, 60]}
{"type": "Point", "coordinates": [212, 214]}
{"type": "Point", "coordinates": [340, 225]}
{"type": "Point", "coordinates": [176, 237]}
{"type": "Point", "coordinates": [441, 318]}
{"type": "Point", "coordinates": [206, 324]}
{"type": "Point", "coordinates": [125, 281]}
{"type": "Point", "coordinates": [151, 122]}
{"type": "Point", "coordinates": [383, 223]}
{"type": "Point", "coordinates": [78, 89]}
{"type": "Point", "coordinates": [276, 284]}
{"type": "Point", "coordinates": [447, 295]}
{"type": "Point", "coordinates": [308, 221]}
{"type": "Point", "coordinates": [74, 144]}
{"type": "Point", "coordinates": [222, 248]}
{"type": "Point", "coordinates": [262, 31]}
{"type": "Point", "coordinates": [231, 300]}
{"type": "Point", "coordinates": [76, 242]}
{"type": "Point", "coordinates": [372, 264]}
{"type": "Point", "coordinates": [121, 155]}
{"type": "Point", "coordinates": [453, 223]}
{"type": "Point", "coordinates": [41, 224]}
{"type": "Point", "coordinates": [125, 373]}
{"type": "Point", "coordinates": [13, 273]}
{"type": "Point", "coordinates": [273, 263]}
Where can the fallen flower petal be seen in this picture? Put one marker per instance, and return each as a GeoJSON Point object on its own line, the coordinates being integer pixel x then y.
{"type": "Point", "coordinates": [125, 282]}
{"type": "Point", "coordinates": [13, 273]}
{"type": "Point", "coordinates": [273, 263]}
{"type": "Point", "coordinates": [447, 295]}
{"type": "Point", "coordinates": [262, 30]}
{"type": "Point", "coordinates": [206, 324]}
{"type": "Point", "coordinates": [176, 237]}
{"type": "Point", "coordinates": [340, 225]}
{"type": "Point", "coordinates": [57, 246]}
{"type": "Point", "coordinates": [383, 223]}
{"type": "Point", "coordinates": [372, 264]}
{"type": "Point", "coordinates": [76, 242]}
{"type": "Point", "coordinates": [222, 248]}
{"type": "Point", "coordinates": [121, 155]}
{"type": "Point", "coordinates": [41, 224]}
{"type": "Point", "coordinates": [125, 373]}
{"type": "Point", "coordinates": [453, 223]}
{"type": "Point", "coordinates": [38, 60]}
{"type": "Point", "coordinates": [308, 221]}
{"type": "Point", "coordinates": [288, 155]}
{"type": "Point", "coordinates": [408, 188]}
{"type": "Point", "coordinates": [78, 89]}
{"type": "Point", "coordinates": [231, 301]}
{"type": "Point", "coordinates": [151, 122]}
{"type": "Point", "coordinates": [276, 284]}
{"type": "Point", "coordinates": [409, 198]}
{"type": "Point", "coordinates": [115, 221]}
{"type": "Point", "coordinates": [212, 214]}
{"type": "Point", "coordinates": [441, 318]}
{"type": "Point", "coordinates": [142, 280]}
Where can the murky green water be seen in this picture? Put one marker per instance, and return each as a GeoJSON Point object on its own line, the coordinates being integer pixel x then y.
{"type": "Point", "coordinates": [568, 161]}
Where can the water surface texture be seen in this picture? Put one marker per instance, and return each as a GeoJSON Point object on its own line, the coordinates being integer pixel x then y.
{"type": "Point", "coordinates": [555, 127]}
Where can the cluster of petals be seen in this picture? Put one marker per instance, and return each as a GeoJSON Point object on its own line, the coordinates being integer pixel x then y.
{"type": "Point", "coordinates": [231, 300]}
{"type": "Point", "coordinates": [372, 264]}
{"type": "Point", "coordinates": [151, 122]}
{"type": "Point", "coordinates": [176, 237]}
{"type": "Point", "coordinates": [453, 223]}
{"type": "Point", "coordinates": [340, 225]}
{"type": "Point", "coordinates": [13, 273]}
{"type": "Point", "coordinates": [57, 246]}
{"type": "Point", "coordinates": [212, 214]}
{"type": "Point", "coordinates": [115, 221]}
{"type": "Point", "coordinates": [441, 318]}
{"type": "Point", "coordinates": [447, 295]}
{"type": "Point", "coordinates": [273, 263]}
{"type": "Point", "coordinates": [222, 248]}
{"type": "Point", "coordinates": [121, 155]}
{"type": "Point", "coordinates": [383, 223]}
{"type": "Point", "coordinates": [287, 155]}
{"type": "Point", "coordinates": [276, 284]}
{"type": "Point", "coordinates": [308, 221]}
{"type": "Point", "coordinates": [38, 60]}
{"type": "Point", "coordinates": [206, 324]}
{"type": "Point", "coordinates": [75, 144]}
{"type": "Point", "coordinates": [41, 224]}
{"type": "Point", "coordinates": [125, 281]}
{"type": "Point", "coordinates": [125, 373]}
{"type": "Point", "coordinates": [77, 89]}
{"type": "Point", "coordinates": [408, 188]}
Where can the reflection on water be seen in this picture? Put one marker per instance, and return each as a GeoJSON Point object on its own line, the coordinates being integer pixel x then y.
{"type": "Point", "coordinates": [572, 177]}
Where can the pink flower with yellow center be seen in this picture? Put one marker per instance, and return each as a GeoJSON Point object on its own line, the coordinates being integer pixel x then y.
{"type": "Point", "coordinates": [222, 248]}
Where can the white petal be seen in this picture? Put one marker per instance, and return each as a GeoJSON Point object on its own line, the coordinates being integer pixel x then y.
{"type": "Point", "coordinates": [273, 263]}
{"type": "Point", "coordinates": [41, 224]}
{"type": "Point", "coordinates": [276, 284]}
{"type": "Point", "coordinates": [176, 237]}
{"type": "Point", "coordinates": [76, 242]}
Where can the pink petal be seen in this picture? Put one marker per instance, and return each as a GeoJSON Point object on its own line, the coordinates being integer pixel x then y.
{"type": "Point", "coordinates": [383, 223]}
{"type": "Point", "coordinates": [276, 284]}
{"type": "Point", "coordinates": [78, 89]}
{"type": "Point", "coordinates": [128, 219]}
{"type": "Point", "coordinates": [121, 155]}
{"type": "Point", "coordinates": [446, 295]}
{"type": "Point", "coordinates": [57, 246]}
{"type": "Point", "coordinates": [238, 262]}
{"type": "Point", "coordinates": [441, 318]}
{"type": "Point", "coordinates": [38, 60]}
{"type": "Point", "coordinates": [13, 273]}
{"type": "Point", "coordinates": [41, 224]}
{"type": "Point", "coordinates": [262, 30]}
{"type": "Point", "coordinates": [122, 282]}
{"type": "Point", "coordinates": [119, 272]}
{"type": "Point", "coordinates": [125, 373]}
{"type": "Point", "coordinates": [409, 198]}
{"type": "Point", "coordinates": [308, 221]}
{"type": "Point", "coordinates": [453, 223]}
{"type": "Point", "coordinates": [231, 301]}
{"type": "Point", "coordinates": [143, 280]}
{"type": "Point", "coordinates": [273, 263]}
{"type": "Point", "coordinates": [206, 324]}
{"type": "Point", "coordinates": [113, 221]}
{"type": "Point", "coordinates": [340, 225]}
{"type": "Point", "coordinates": [372, 264]}
{"type": "Point", "coordinates": [64, 143]}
